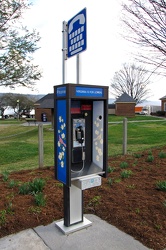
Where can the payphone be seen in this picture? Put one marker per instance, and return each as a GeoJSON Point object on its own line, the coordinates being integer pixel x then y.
{"type": "Point", "coordinates": [80, 127]}
{"type": "Point", "coordinates": [78, 144]}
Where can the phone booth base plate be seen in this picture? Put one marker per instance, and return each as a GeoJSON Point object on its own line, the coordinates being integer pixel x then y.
{"type": "Point", "coordinates": [73, 228]}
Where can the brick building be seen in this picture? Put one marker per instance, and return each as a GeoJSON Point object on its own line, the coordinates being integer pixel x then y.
{"type": "Point", "coordinates": [163, 103]}
{"type": "Point", "coordinates": [44, 108]}
{"type": "Point", "coordinates": [125, 106]}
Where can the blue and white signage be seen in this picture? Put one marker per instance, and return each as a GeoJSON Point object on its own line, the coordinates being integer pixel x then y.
{"type": "Point", "coordinates": [77, 33]}
{"type": "Point", "coordinates": [61, 91]}
{"type": "Point", "coordinates": [90, 92]}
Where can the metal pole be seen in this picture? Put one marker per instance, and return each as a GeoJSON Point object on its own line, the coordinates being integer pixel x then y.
{"type": "Point", "coordinates": [125, 136]}
{"type": "Point", "coordinates": [64, 49]}
{"type": "Point", "coordinates": [78, 69]}
{"type": "Point", "coordinates": [40, 142]}
{"type": "Point", "coordinates": [18, 107]}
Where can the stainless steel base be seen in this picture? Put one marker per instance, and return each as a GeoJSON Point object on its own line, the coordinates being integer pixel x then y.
{"type": "Point", "coordinates": [73, 228]}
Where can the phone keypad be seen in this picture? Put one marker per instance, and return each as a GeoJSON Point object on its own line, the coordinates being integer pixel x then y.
{"type": "Point", "coordinates": [76, 40]}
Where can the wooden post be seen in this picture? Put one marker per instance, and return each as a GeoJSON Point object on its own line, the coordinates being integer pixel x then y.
{"type": "Point", "coordinates": [125, 136]}
{"type": "Point", "coordinates": [40, 143]}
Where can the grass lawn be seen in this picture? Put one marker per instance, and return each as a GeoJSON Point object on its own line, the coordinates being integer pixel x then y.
{"type": "Point", "coordinates": [143, 132]}
{"type": "Point", "coordinates": [19, 144]}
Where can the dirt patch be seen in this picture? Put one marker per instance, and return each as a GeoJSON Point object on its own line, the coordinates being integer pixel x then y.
{"type": "Point", "coordinates": [132, 204]}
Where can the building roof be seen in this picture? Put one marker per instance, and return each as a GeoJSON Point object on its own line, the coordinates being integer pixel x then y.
{"type": "Point", "coordinates": [46, 102]}
{"type": "Point", "coordinates": [125, 98]}
{"type": "Point", "coordinates": [162, 98]}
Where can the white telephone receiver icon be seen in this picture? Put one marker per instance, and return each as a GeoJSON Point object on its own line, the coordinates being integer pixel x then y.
{"type": "Point", "coordinates": [79, 18]}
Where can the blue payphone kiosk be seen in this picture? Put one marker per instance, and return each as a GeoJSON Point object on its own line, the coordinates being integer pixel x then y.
{"type": "Point", "coordinates": [80, 142]}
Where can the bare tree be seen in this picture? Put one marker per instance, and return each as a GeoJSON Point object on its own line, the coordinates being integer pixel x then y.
{"type": "Point", "coordinates": [133, 80]}
{"type": "Point", "coordinates": [146, 23]}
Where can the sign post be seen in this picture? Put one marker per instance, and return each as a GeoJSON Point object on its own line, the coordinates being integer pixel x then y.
{"type": "Point", "coordinates": [64, 50]}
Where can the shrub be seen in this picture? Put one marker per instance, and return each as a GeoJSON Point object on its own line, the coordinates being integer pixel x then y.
{"type": "Point", "coordinates": [110, 169]}
{"type": "Point", "coordinates": [40, 199]}
{"type": "Point", "coordinates": [126, 173]}
{"type": "Point", "coordinates": [94, 201]}
{"type": "Point", "coordinates": [13, 183]}
{"type": "Point", "coordinates": [161, 185]}
{"type": "Point", "coordinates": [5, 175]}
{"type": "Point", "coordinates": [118, 180]}
{"type": "Point", "coordinates": [2, 217]}
{"type": "Point", "coordinates": [132, 186]}
{"type": "Point", "coordinates": [137, 155]}
{"type": "Point", "coordinates": [162, 154]}
{"type": "Point", "coordinates": [9, 204]}
{"type": "Point", "coordinates": [34, 210]}
{"type": "Point", "coordinates": [150, 158]}
{"type": "Point", "coordinates": [24, 188]}
{"type": "Point", "coordinates": [160, 113]}
{"type": "Point", "coordinates": [123, 164]}
{"type": "Point", "coordinates": [110, 181]}
{"type": "Point", "coordinates": [36, 186]}
{"type": "Point", "coordinates": [59, 184]}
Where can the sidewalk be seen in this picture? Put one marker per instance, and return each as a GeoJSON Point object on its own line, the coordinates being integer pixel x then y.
{"type": "Point", "coordinates": [100, 236]}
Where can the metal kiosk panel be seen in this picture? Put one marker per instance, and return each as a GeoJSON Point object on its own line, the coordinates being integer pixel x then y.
{"type": "Point", "coordinates": [80, 141]}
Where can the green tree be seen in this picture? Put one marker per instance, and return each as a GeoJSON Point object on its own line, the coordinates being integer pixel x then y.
{"type": "Point", "coordinates": [133, 80]}
{"type": "Point", "coordinates": [145, 22]}
{"type": "Point", "coordinates": [17, 45]}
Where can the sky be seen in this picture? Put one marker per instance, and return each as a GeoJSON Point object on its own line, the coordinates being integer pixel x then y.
{"type": "Point", "coordinates": [106, 49]}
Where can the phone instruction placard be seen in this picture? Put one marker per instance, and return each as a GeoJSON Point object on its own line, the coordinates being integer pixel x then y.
{"type": "Point", "coordinates": [77, 33]}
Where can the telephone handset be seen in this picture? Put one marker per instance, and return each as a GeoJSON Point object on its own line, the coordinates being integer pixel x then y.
{"type": "Point", "coordinates": [79, 133]}
{"type": "Point", "coordinates": [80, 18]}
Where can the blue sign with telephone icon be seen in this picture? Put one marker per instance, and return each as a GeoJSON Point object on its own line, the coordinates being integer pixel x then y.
{"type": "Point", "coordinates": [77, 33]}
